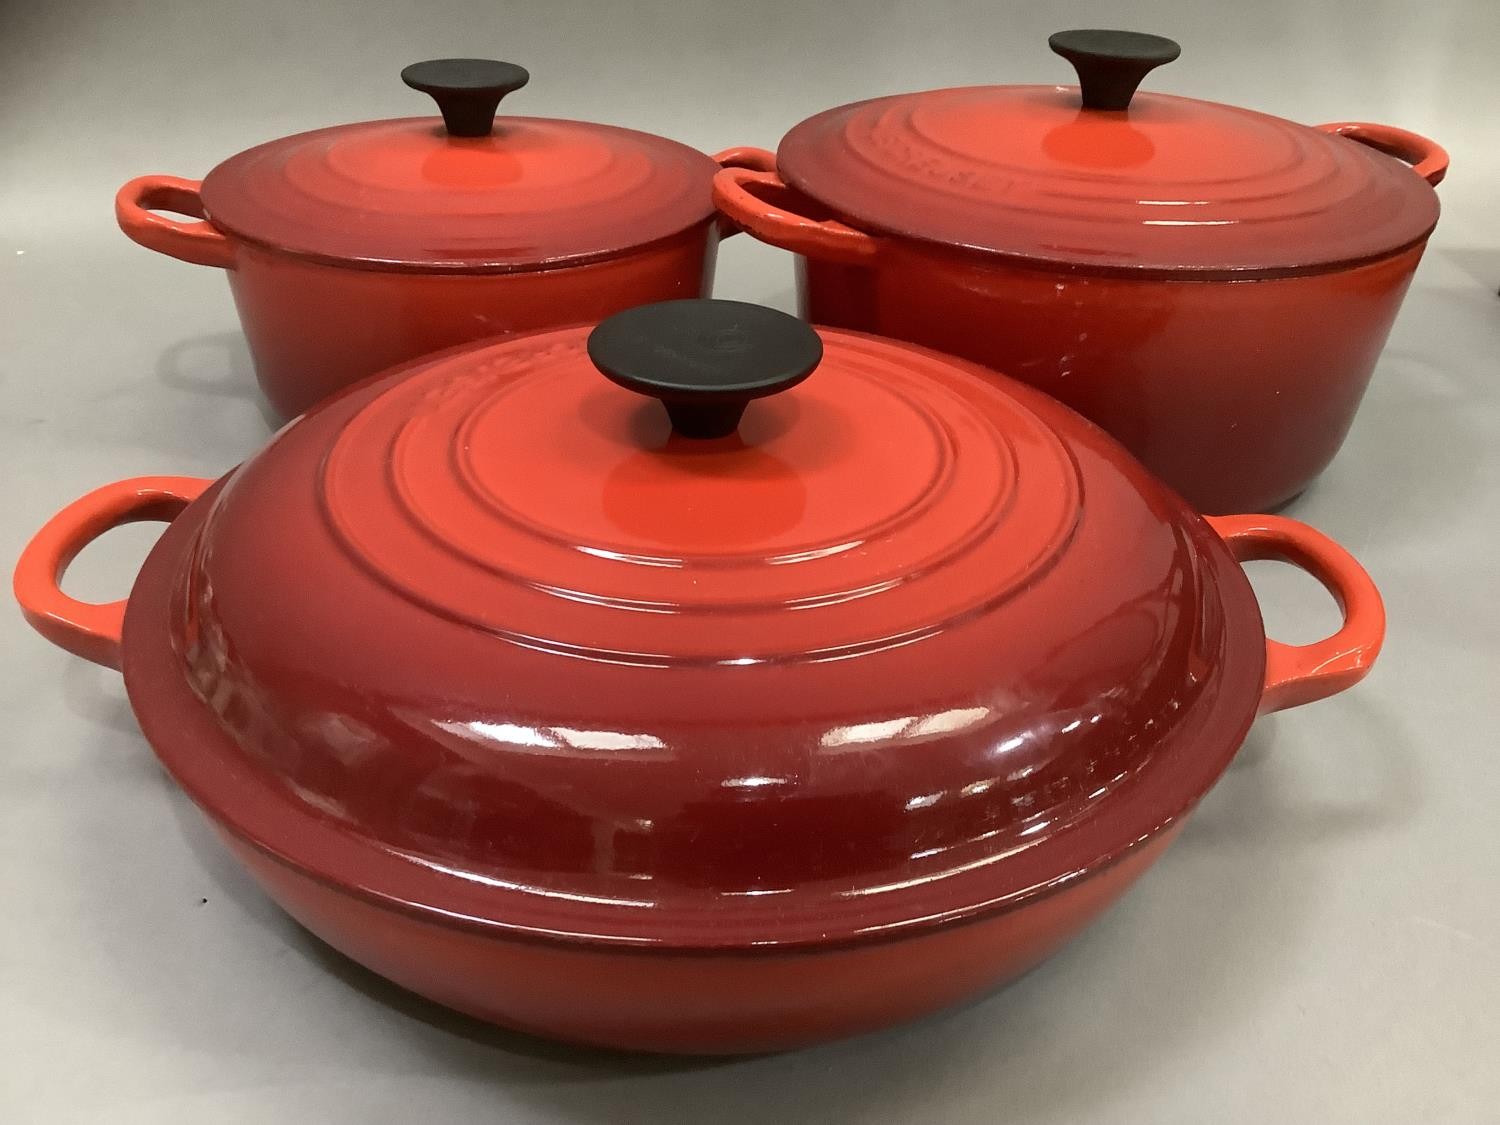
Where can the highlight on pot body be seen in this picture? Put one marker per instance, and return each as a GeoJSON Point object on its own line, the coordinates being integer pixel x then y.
{"type": "Point", "coordinates": [703, 682]}
{"type": "Point", "coordinates": [1210, 284]}
{"type": "Point", "coordinates": [353, 248]}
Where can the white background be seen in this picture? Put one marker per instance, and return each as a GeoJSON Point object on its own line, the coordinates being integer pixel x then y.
{"type": "Point", "coordinates": [1322, 945]}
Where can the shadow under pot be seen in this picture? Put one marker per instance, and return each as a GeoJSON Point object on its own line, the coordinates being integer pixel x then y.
{"type": "Point", "coordinates": [662, 706]}
{"type": "Point", "coordinates": [357, 247]}
{"type": "Point", "coordinates": [1211, 285]}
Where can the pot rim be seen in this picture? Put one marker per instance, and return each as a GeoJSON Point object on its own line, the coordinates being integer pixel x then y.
{"type": "Point", "coordinates": [179, 727]}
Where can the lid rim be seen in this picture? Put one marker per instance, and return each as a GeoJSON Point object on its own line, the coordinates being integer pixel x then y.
{"type": "Point", "coordinates": [449, 268]}
{"type": "Point", "coordinates": [916, 927]}
{"type": "Point", "coordinates": [1147, 272]}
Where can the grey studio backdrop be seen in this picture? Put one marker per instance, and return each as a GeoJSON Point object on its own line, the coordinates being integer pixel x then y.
{"type": "Point", "coordinates": [1321, 945]}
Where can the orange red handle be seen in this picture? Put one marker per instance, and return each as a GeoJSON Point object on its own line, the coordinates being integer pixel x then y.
{"type": "Point", "coordinates": [746, 156]}
{"type": "Point", "coordinates": [136, 206]}
{"type": "Point", "coordinates": [1428, 159]}
{"type": "Point", "coordinates": [743, 156]}
{"type": "Point", "coordinates": [745, 195]}
{"type": "Point", "coordinates": [1298, 674]}
{"type": "Point", "coordinates": [85, 629]}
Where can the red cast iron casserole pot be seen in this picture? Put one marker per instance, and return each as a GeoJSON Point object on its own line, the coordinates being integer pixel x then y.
{"type": "Point", "coordinates": [1211, 285]}
{"type": "Point", "coordinates": [357, 247]}
{"type": "Point", "coordinates": [815, 702]}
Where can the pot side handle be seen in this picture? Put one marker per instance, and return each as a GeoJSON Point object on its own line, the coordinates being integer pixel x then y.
{"type": "Point", "coordinates": [200, 242]}
{"type": "Point", "coordinates": [779, 225]}
{"type": "Point", "coordinates": [746, 156]}
{"type": "Point", "coordinates": [1428, 159]}
{"type": "Point", "coordinates": [742, 156]}
{"type": "Point", "coordinates": [85, 629]}
{"type": "Point", "coordinates": [1298, 674]}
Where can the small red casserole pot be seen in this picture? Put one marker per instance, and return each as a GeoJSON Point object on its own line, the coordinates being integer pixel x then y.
{"type": "Point", "coordinates": [1210, 284]}
{"type": "Point", "coordinates": [807, 705]}
{"type": "Point", "coordinates": [357, 247]}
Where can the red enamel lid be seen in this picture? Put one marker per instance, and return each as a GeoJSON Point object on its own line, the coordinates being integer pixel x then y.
{"type": "Point", "coordinates": [467, 192]}
{"type": "Point", "coordinates": [1092, 178]}
{"type": "Point", "coordinates": [888, 641]}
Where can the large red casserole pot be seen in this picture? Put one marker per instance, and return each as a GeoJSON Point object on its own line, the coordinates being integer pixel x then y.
{"type": "Point", "coordinates": [719, 728]}
{"type": "Point", "coordinates": [1210, 284]}
{"type": "Point", "coordinates": [357, 247]}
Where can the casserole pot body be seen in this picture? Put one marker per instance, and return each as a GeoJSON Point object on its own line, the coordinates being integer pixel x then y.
{"type": "Point", "coordinates": [692, 1002]}
{"type": "Point", "coordinates": [665, 1000]}
{"type": "Point", "coordinates": [315, 328]}
{"type": "Point", "coordinates": [1236, 393]}
{"type": "Point", "coordinates": [356, 247]}
{"type": "Point", "coordinates": [698, 801]}
{"type": "Point", "coordinates": [1210, 284]}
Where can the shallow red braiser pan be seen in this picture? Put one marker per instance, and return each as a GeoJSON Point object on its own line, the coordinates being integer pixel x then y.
{"type": "Point", "coordinates": [852, 683]}
{"type": "Point", "coordinates": [353, 248]}
{"type": "Point", "coordinates": [1210, 284]}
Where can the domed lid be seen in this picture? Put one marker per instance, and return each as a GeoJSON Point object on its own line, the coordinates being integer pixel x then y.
{"type": "Point", "coordinates": [467, 192]}
{"type": "Point", "coordinates": [1096, 179]}
{"type": "Point", "coordinates": [848, 637]}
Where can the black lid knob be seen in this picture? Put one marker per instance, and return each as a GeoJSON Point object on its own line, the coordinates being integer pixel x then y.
{"type": "Point", "coordinates": [705, 359]}
{"type": "Point", "coordinates": [1111, 64]}
{"type": "Point", "coordinates": [467, 91]}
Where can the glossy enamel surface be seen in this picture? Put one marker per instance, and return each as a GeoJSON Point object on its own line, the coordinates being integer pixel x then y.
{"type": "Point", "coordinates": [358, 247]}
{"type": "Point", "coordinates": [1237, 395]}
{"type": "Point", "coordinates": [569, 720]}
{"type": "Point", "coordinates": [86, 629]}
{"type": "Point", "coordinates": [582, 677]}
{"type": "Point", "coordinates": [730, 1002]}
{"type": "Point", "coordinates": [406, 194]}
{"type": "Point", "coordinates": [1210, 284]}
{"type": "Point", "coordinates": [314, 329]}
{"type": "Point", "coordinates": [1169, 186]}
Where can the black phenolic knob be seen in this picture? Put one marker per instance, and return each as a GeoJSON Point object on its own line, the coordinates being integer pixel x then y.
{"type": "Point", "coordinates": [467, 91]}
{"type": "Point", "coordinates": [1111, 64]}
{"type": "Point", "coordinates": [704, 359]}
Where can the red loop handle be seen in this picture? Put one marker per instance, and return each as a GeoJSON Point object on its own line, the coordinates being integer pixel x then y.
{"type": "Point", "coordinates": [1298, 674]}
{"type": "Point", "coordinates": [827, 239]}
{"type": "Point", "coordinates": [1428, 159]}
{"type": "Point", "coordinates": [201, 242]}
{"type": "Point", "coordinates": [746, 156]}
{"type": "Point", "coordinates": [86, 629]}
